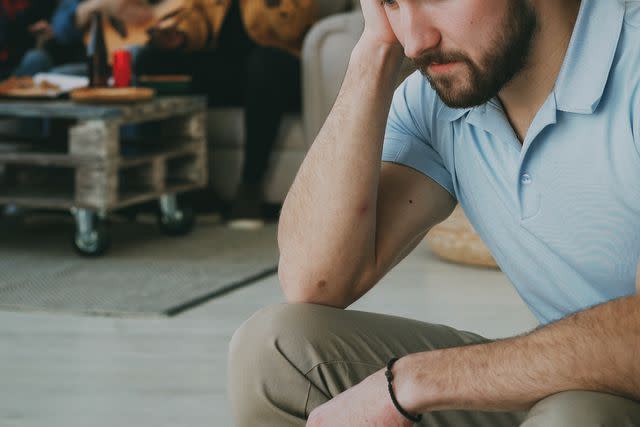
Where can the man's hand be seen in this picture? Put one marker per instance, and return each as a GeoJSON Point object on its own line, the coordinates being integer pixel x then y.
{"type": "Point", "coordinates": [377, 27]}
{"type": "Point", "coordinates": [165, 35]}
{"type": "Point", "coordinates": [135, 12]}
{"type": "Point", "coordinates": [42, 31]}
{"type": "Point", "coordinates": [367, 404]}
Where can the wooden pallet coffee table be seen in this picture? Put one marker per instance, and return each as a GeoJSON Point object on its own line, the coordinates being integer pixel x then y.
{"type": "Point", "coordinates": [92, 171]}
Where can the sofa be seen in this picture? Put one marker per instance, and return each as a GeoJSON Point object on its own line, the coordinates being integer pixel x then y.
{"type": "Point", "coordinates": [325, 56]}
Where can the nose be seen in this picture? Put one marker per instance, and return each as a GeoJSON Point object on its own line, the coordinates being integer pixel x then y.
{"type": "Point", "coordinates": [418, 33]}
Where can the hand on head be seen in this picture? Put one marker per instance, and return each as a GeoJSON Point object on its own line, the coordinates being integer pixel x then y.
{"type": "Point", "coordinates": [377, 27]}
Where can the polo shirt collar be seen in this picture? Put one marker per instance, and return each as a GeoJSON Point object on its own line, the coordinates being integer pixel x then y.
{"type": "Point", "coordinates": [585, 70]}
{"type": "Point", "coordinates": [451, 114]}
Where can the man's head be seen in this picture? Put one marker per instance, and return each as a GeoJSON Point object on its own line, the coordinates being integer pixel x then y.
{"type": "Point", "coordinates": [467, 49]}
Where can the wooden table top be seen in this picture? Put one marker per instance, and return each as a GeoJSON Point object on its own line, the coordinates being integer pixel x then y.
{"type": "Point", "coordinates": [158, 107]}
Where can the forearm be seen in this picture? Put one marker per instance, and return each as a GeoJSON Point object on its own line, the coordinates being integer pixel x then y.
{"type": "Point", "coordinates": [592, 350]}
{"type": "Point", "coordinates": [327, 226]}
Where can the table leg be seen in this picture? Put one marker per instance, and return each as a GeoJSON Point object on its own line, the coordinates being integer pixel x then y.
{"type": "Point", "coordinates": [91, 236]}
{"type": "Point", "coordinates": [172, 220]}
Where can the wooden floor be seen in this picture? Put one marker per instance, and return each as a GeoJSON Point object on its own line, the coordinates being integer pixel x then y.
{"type": "Point", "coordinates": [72, 371]}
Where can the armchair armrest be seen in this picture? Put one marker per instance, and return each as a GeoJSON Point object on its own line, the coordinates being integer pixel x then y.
{"type": "Point", "coordinates": [325, 57]}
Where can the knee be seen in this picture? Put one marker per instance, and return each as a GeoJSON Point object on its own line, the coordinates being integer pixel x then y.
{"type": "Point", "coordinates": [284, 336]}
{"type": "Point", "coordinates": [584, 409]}
{"type": "Point", "coordinates": [267, 362]}
{"type": "Point", "coordinates": [254, 334]}
{"type": "Point", "coordinates": [278, 328]}
{"type": "Point", "coordinates": [34, 61]}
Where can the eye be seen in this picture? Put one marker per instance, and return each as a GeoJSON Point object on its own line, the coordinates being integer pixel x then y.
{"type": "Point", "coordinates": [389, 3]}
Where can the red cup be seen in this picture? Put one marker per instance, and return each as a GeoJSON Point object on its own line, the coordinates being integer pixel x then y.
{"type": "Point", "coordinates": [122, 68]}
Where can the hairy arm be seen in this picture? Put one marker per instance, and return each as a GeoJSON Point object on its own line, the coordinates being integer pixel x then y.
{"type": "Point", "coordinates": [346, 219]}
{"type": "Point", "coordinates": [595, 349]}
{"type": "Point", "coordinates": [132, 11]}
{"type": "Point", "coordinates": [327, 226]}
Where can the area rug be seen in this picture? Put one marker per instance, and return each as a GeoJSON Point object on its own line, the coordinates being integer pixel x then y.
{"type": "Point", "coordinates": [143, 274]}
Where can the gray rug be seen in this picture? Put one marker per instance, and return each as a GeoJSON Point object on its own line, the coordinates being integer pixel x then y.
{"type": "Point", "coordinates": [144, 273]}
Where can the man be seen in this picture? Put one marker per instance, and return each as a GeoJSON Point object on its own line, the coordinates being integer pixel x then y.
{"type": "Point", "coordinates": [527, 112]}
{"type": "Point", "coordinates": [241, 53]}
{"type": "Point", "coordinates": [73, 17]}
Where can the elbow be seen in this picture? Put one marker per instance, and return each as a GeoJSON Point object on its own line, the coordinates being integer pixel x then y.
{"type": "Point", "coordinates": [302, 289]}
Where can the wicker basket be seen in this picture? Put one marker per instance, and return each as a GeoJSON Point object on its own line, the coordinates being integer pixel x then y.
{"type": "Point", "coordinates": [455, 240]}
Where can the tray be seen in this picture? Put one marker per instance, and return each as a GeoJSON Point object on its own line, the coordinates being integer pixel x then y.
{"type": "Point", "coordinates": [27, 88]}
{"type": "Point", "coordinates": [31, 94]}
{"type": "Point", "coordinates": [112, 94]}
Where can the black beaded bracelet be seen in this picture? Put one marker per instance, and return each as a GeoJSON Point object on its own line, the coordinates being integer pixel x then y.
{"type": "Point", "coordinates": [389, 375]}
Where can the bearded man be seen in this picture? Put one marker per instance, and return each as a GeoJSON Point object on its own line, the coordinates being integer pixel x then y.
{"type": "Point", "coordinates": [527, 113]}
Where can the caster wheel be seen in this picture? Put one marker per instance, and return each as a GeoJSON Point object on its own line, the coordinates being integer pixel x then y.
{"type": "Point", "coordinates": [178, 223]}
{"type": "Point", "coordinates": [93, 243]}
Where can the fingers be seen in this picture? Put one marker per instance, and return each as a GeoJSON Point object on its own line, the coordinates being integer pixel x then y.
{"type": "Point", "coordinates": [167, 23]}
{"type": "Point", "coordinates": [377, 24]}
{"type": "Point", "coordinates": [137, 15]}
{"type": "Point", "coordinates": [130, 11]}
{"type": "Point", "coordinates": [39, 26]}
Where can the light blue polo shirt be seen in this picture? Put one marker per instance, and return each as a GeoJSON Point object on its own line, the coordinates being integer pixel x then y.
{"type": "Point", "coordinates": [561, 212]}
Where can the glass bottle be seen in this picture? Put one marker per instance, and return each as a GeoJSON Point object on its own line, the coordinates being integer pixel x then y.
{"type": "Point", "coordinates": [97, 59]}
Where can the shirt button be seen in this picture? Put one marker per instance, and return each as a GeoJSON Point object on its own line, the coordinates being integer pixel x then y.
{"type": "Point", "coordinates": [525, 178]}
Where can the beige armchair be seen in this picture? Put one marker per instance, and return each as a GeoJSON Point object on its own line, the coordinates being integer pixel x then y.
{"type": "Point", "coordinates": [325, 57]}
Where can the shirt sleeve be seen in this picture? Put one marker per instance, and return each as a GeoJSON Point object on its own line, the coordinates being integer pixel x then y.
{"type": "Point", "coordinates": [636, 120]}
{"type": "Point", "coordinates": [407, 138]}
{"type": "Point", "coordinates": [63, 22]}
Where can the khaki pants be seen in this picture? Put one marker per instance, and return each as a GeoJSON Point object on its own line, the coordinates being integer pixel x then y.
{"type": "Point", "coordinates": [288, 359]}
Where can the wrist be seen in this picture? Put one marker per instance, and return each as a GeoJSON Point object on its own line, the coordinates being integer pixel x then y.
{"type": "Point", "coordinates": [415, 382]}
{"type": "Point", "coordinates": [376, 62]}
{"type": "Point", "coordinates": [368, 48]}
{"type": "Point", "coordinates": [400, 408]}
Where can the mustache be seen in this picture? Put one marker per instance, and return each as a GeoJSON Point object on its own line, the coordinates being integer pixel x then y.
{"type": "Point", "coordinates": [438, 57]}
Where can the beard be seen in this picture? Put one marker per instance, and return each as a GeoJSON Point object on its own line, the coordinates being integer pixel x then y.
{"type": "Point", "coordinates": [505, 58]}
